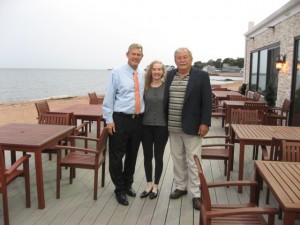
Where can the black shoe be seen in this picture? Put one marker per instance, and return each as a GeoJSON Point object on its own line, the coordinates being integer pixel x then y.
{"type": "Point", "coordinates": [122, 199]}
{"type": "Point", "coordinates": [177, 194]}
{"type": "Point", "coordinates": [153, 195]}
{"type": "Point", "coordinates": [131, 192]}
{"type": "Point", "coordinates": [196, 203]}
{"type": "Point", "coordinates": [145, 194]}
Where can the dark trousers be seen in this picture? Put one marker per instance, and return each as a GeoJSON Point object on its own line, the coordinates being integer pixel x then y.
{"type": "Point", "coordinates": [154, 139]}
{"type": "Point", "coordinates": [124, 142]}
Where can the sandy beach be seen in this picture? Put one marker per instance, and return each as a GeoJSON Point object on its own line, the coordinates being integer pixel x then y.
{"type": "Point", "coordinates": [25, 112]}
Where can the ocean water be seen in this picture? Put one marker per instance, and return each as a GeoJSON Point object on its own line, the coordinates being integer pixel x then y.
{"type": "Point", "coordinates": [19, 85]}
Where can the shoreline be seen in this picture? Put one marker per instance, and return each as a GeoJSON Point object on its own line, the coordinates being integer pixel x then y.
{"type": "Point", "coordinates": [25, 112]}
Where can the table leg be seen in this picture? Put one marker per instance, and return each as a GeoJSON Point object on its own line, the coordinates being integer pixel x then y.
{"type": "Point", "coordinates": [289, 218]}
{"type": "Point", "coordinates": [98, 127]}
{"type": "Point", "coordinates": [39, 180]}
{"type": "Point", "coordinates": [241, 164]}
{"type": "Point", "coordinates": [257, 178]}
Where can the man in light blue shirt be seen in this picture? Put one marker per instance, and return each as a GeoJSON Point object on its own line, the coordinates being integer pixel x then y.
{"type": "Point", "coordinates": [124, 123]}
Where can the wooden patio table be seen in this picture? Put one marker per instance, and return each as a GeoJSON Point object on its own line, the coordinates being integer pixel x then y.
{"type": "Point", "coordinates": [222, 95]}
{"type": "Point", "coordinates": [85, 112]}
{"type": "Point", "coordinates": [283, 179]}
{"type": "Point", "coordinates": [33, 138]}
{"type": "Point", "coordinates": [259, 135]}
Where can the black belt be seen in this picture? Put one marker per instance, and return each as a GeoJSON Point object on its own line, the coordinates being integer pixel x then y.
{"type": "Point", "coordinates": [132, 116]}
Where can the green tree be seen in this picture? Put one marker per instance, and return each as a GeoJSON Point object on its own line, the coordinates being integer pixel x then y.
{"type": "Point", "coordinates": [240, 62]}
{"type": "Point", "coordinates": [218, 63]}
{"type": "Point", "coordinates": [199, 64]}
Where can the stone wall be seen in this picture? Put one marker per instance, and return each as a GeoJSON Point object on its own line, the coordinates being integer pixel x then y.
{"type": "Point", "coordinates": [283, 33]}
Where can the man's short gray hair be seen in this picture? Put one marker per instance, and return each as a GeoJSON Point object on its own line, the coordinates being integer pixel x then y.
{"type": "Point", "coordinates": [183, 49]}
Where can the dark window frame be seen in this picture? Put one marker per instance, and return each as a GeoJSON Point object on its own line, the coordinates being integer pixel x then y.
{"type": "Point", "coordinates": [272, 50]}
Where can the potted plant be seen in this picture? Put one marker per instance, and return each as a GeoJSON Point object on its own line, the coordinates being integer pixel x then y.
{"type": "Point", "coordinates": [270, 94]}
{"type": "Point", "coordinates": [243, 88]}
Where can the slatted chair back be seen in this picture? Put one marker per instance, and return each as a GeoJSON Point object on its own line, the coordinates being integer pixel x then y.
{"type": "Point", "coordinates": [92, 95]}
{"type": "Point", "coordinates": [96, 101]}
{"type": "Point", "coordinates": [286, 106]}
{"type": "Point", "coordinates": [261, 107]}
{"type": "Point", "coordinates": [290, 151]}
{"type": "Point", "coordinates": [256, 96]}
{"type": "Point", "coordinates": [244, 116]}
{"type": "Point", "coordinates": [237, 98]}
{"type": "Point", "coordinates": [55, 118]}
{"type": "Point", "coordinates": [42, 107]}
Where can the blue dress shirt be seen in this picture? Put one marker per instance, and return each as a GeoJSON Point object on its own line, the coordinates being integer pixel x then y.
{"type": "Point", "coordinates": [119, 95]}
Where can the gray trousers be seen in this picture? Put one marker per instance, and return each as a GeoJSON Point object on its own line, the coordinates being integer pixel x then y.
{"type": "Point", "coordinates": [183, 148]}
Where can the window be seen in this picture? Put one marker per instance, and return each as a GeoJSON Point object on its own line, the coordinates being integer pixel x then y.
{"type": "Point", "coordinates": [263, 69]}
{"type": "Point", "coordinates": [296, 86]}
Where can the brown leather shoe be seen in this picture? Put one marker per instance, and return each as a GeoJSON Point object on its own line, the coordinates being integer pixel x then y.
{"type": "Point", "coordinates": [196, 203]}
{"type": "Point", "coordinates": [177, 194]}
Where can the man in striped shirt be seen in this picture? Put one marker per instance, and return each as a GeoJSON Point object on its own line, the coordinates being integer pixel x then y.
{"type": "Point", "coordinates": [188, 106]}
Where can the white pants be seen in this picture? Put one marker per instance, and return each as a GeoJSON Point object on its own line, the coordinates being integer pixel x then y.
{"type": "Point", "coordinates": [183, 148]}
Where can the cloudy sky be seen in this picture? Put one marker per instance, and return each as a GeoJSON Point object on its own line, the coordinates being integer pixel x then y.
{"type": "Point", "coordinates": [95, 34]}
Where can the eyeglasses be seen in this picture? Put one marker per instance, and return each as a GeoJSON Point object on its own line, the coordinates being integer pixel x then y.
{"type": "Point", "coordinates": [182, 57]}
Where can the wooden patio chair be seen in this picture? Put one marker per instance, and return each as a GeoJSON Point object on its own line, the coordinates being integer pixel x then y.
{"type": "Point", "coordinates": [219, 111]}
{"type": "Point", "coordinates": [262, 109]}
{"type": "Point", "coordinates": [7, 175]}
{"type": "Point", "coordinates": [290, 151]}
{"type": "Point", "coordinates": [256, 96]}
{"type": "Point", "coordinates": [230, 214]}
{"type": "Point", "coordinates": [242, 116]}
{"type": "Point", "coordinates": [218, 151]}
{"type": "Point", "coordinates": [76, 159]}
{"type": "Point", "coordinates": [53, 119]}
{"type": "Point", "coordinates": [42, 107]}
{"type": "Point", "coordinates": [80, 130]}
{"type": "Point", "coordinates": [94, 100]}
{"type": "Point", "coordinates": [281, 113]}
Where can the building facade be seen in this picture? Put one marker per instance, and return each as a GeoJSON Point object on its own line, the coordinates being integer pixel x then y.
{"type": "Point", "coordinates": [276, 39]}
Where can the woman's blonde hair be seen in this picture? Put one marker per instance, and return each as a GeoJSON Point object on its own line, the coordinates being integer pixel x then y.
{"type": "Point", "coordinates": [148, 76]}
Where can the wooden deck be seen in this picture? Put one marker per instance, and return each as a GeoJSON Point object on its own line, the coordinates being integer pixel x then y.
{"type": "Point", "coordinates": [76, 205]}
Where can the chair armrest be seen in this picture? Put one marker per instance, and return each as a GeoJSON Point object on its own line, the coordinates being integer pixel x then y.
{"type": "Point", "coordinates": [217, 145]}
{"type": "Point", "coordinates": [18, 163]}
{"type": "Point", "coordinates": [241, 211]}
{"type": "Point", "coordinates": [232, 183]}
{"type": "Point", "coordinates": [83, 138]}
{"type": "Point", "coordinates": [218, 108]}
{"type": "Point", "coordinates": [82, 125]}
{"type": "Point", "coordinates": [217, 136]}
{"type": "Point", "coordinates": [72, 148]}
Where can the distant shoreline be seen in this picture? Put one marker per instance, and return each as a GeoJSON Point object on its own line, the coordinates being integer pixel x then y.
{"type": "Point", "coordinates": [25, 112]}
